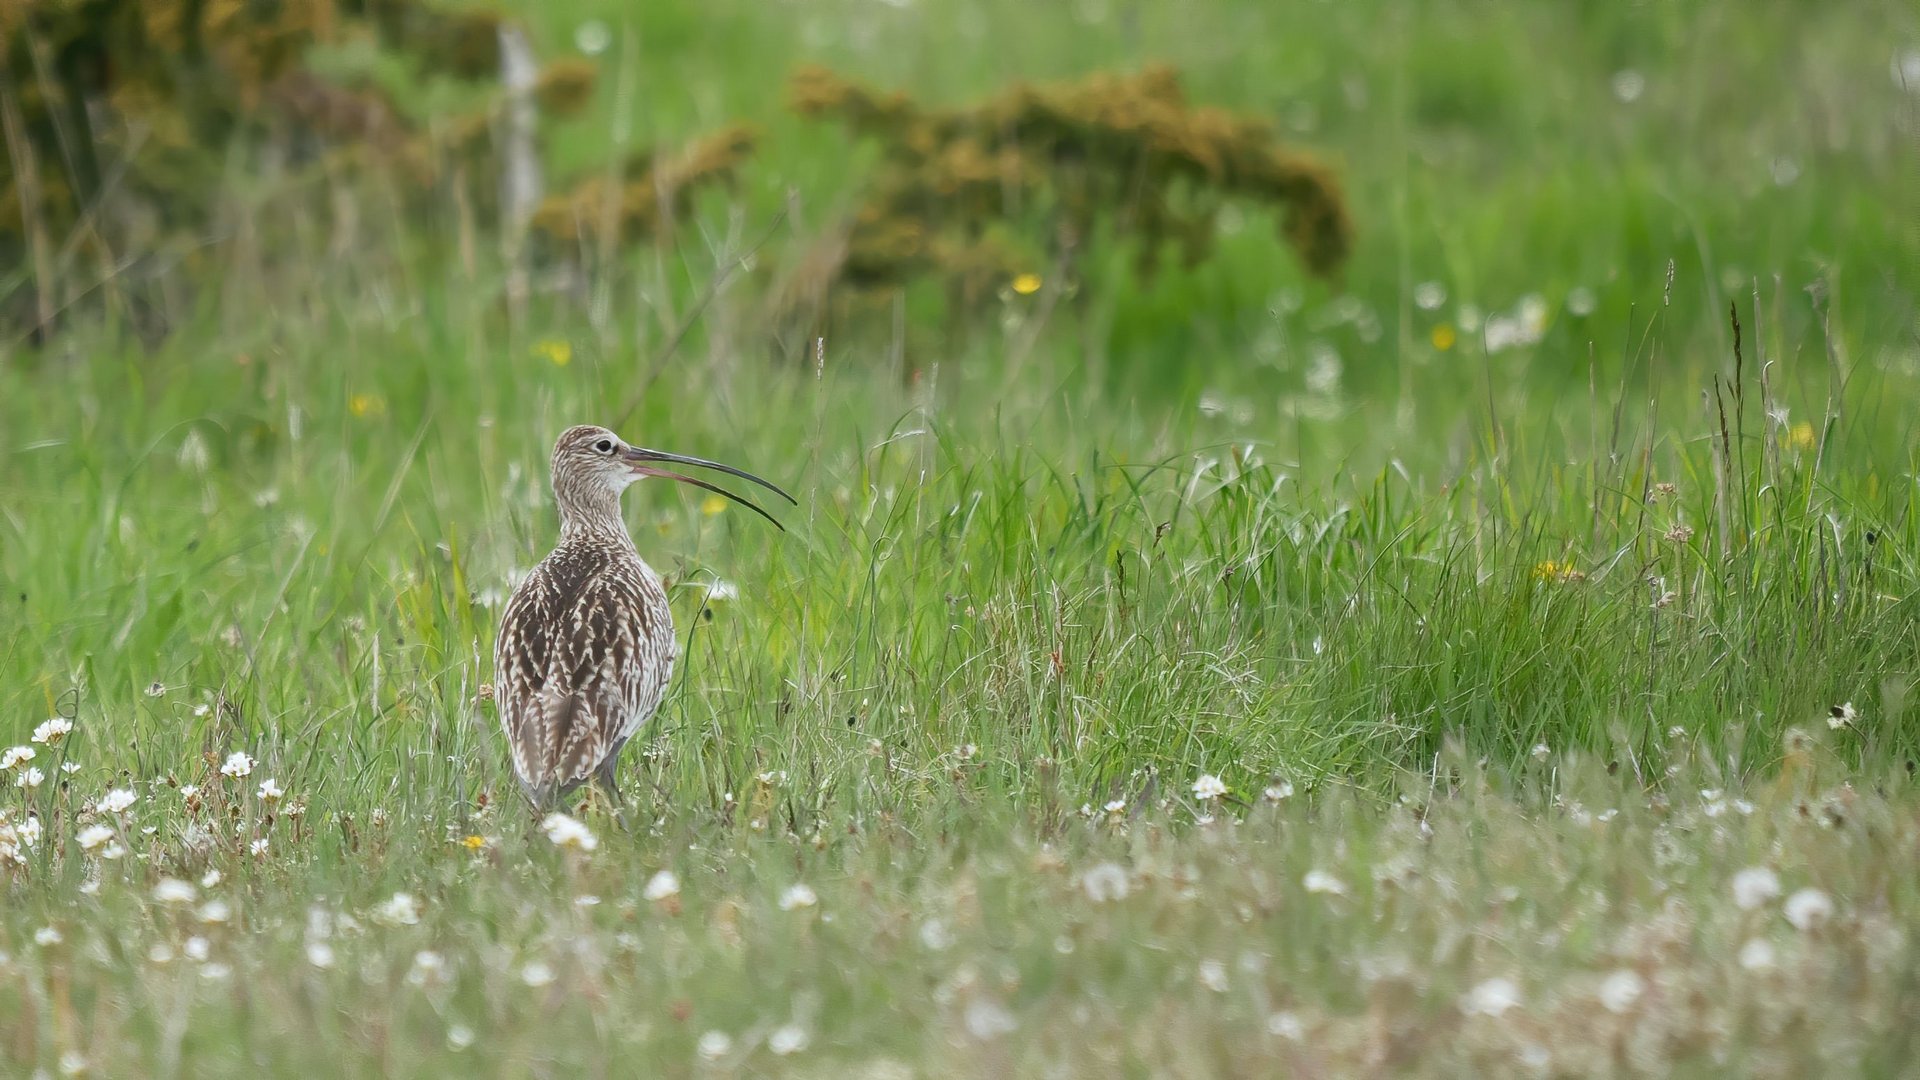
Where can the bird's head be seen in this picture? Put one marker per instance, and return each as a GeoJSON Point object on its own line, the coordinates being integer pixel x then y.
{"type": "Point", "coordinates": [591, 463]}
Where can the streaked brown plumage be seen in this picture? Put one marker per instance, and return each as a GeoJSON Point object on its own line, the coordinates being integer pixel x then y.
{"type": "Point", "coordinates": [586, 647]}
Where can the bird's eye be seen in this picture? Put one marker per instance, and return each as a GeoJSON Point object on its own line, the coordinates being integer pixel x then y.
{"type": "Point", "coordinates": [605, 446]}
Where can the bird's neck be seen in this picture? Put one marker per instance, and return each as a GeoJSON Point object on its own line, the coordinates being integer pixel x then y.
{"type": "Point", "coordinates": [594, 517]}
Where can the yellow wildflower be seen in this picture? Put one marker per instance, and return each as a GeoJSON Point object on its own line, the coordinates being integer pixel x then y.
{"type": "Point", "coordinates": [1443, 337]}
{"type": "Point", "coordinates": [474, 842]}
{"type": "Point", "coordinates": [1026, 284]}
{"type": "Point", "coordinates": [364, 405]}
{"type": "Point", "coordinates": [1800, 436]}
{"type": "Point", "coordinates": [1553, 570]}
{"type": "Point", "coordinates": [712, 505]}
{"type": "Point", "coordinates": [555, 351]}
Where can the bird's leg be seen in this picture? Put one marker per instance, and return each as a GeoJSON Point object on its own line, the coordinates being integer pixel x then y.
{"type": "Point", "coordinates": [603, 779]}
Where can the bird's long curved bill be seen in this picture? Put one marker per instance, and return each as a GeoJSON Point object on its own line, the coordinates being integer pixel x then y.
{"type": "Point", "coordinates": [643, 461]}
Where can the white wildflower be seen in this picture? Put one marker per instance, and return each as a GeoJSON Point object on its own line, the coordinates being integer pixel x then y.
{"type": "Point", "coordinates": [788, 1039]}
{"type": "Point", "coordinates": [536, 974]}
{"type": "Point", "coordinates": [1278, 790]}
{"type": "Point", "coordinates": [1493, 997]}
{"type": "Point", "coordinates": [197, 948]}
{"type": "Point", "coordinates": [1209, 786]}
{"type": "Point", "coordinates": [1808, 909]}
{"type": "Point", "coordinates": [1755, 886]}
{"type": "Point", "coordinates": [568, 833]}
{"type": "Point", "coordinates": [1319, 881]}
{"type": "Point", "coordinates": [798, 895]}
{"type": "Point", "coordinates": [47, 935]}
{"type": "Point", "coordinates": [1842, 716]}
{"type": "Point", "coordinates": [188, 791]}
{"type": "Point", "coordinates": [69, 767]}
{"type": "Point", "coordinates": [237, 765]}
{"type": "Point", "coordinates": [662, 885]}
{"type": "Point", "coordinates": [30, 777]}
{"type": "Point", "coordinates": [270, 791]}
{"type": "Point", "coordinates": [1628, 85]}
{"type": "Point", "coordinates": [1621, 989]}
{"type": "Point", "coordinates": [935, 935]}
{"type": "Point", "coordinates": [175, 891]}
{"type": "Point", "coordinates": [117, 801]}
{"type": "Point", "coordinates": [1531, 313]}
{"type": "Point", "coordinates": [72, 1063]}
{"type": "Point", "coordinates": [320, 954]}
{"type": "Point", "coordinates": [258, 848]}
{"type": "Point", "coordinates": [216, 911]}
{"type": "Point", "coordinates": [1106, 882]}
{"type": "Point", "coordinates": [714, 1045]}
{"type": "Point", "coordinates": [592, 37]}
{"type": "Point", "coordinates": [1541, 751]}
{"type": "Point", "coordinates": [1287, 1026]}
{"type": "Point", "coordinates": [209, 879]}
{"type": "Point", "coordinates": [93, 836]}
{"type": "Point", "coordinates": [428, 967]}
{"type": "Point", "coordinates": [401, 909]}
{"type": "Point", "coordinates": [1213, 976]}
{"type": "Point", "coordinates": [51, 732]}
{"type": "Point", "coordinates": [459, 1037]}
{"type": "Point", "coordinates": [16, 756]}
{"type": "Point", "coordinates": [1757, 955]}
{"type": "Point", "coordinates": [987, 1020]}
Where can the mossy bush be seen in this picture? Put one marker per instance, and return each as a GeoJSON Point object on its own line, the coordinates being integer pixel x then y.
{"type": "Point", "coordinates": [1038, 174]}
{"type": "Point", "coordinates": [124, 121]}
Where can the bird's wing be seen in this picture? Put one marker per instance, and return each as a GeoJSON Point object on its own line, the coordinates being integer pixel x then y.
{"type": "Point", "coordinates": [573, 658]}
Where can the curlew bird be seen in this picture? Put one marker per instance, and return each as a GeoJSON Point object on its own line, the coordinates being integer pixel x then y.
{"type": "Point", "coordinates": [586, 646]}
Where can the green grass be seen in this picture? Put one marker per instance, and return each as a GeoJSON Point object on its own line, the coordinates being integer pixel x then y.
{"type": "Point", "coordinates": [1228, 522]}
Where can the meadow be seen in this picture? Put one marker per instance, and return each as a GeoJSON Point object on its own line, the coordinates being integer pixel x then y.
{"type": "Point", "coordinates": [1500, 659]}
